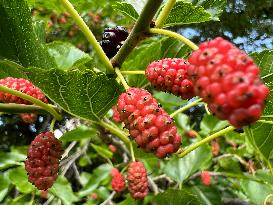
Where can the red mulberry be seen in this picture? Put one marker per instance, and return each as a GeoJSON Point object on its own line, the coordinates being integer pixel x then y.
{"type": "Point", "coordinates": [42, 163]}
{"type": "Point", "coordinates": [205, 178]}
{"type": "Point", "coordinates": [150, 126]}
{"type": "Point", "coordinates": [137, 180]}
{"type": "Point", "coordinates": [170, 75]}
{"type": "Point", "coordinates": [23, 86]}
{"type": "Point", "coordinates": [118, 181]}
{"type": "Point", "coordinates": [229, 81]}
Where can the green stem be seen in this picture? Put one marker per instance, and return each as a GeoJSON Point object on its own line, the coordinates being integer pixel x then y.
{"type": "Point", "coordinates": [119, 133]}
{"type": "Point", "coordinates": [52, 124]}
{"type": "Point", "coordinates": [265, 121]}
{"type": "Point", "coordinates": [35, 101]}
{"type": "Point", "coordinates": [164, 13]}
{"type": "Point", "coordinates": [205, 140]}
{"type": "Point", "coordinates": [20, 108]}
{"type": "Point", "coordinates": [121, 78]}
{"type": "Point", "coordinates": [139, 32]}
{"type": "Point", "coordinates": [186, 107]}
{"type": "Point", "coordinates": [88, 34]}
{"type": "Point", "coordinates": [132, 152]}
{"type": "Point", "coordinates": [133, 72]}
{"type": "Point", "coordinates": [174, 35]}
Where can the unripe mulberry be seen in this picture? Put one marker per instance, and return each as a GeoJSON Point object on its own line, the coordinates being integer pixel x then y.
{"type": "Point", "coordinates": [23, 86]}
{"type": "Point", "coordinates": [205, 178]}
{"type": "Point", "coordinates": [151, 127]}
{"type": "Point", "coordinates": [137, 180]}
{"type": "Point", "coordinates": [42, 163]}
{"type": "Point", "coordinates": [28, 118]}
{"type": "Point", "coordinates": [118, 180]}
{"type": "Point", "coordinates": [170, 75]}
{"type": "Point", "coordinates": [229, 81]}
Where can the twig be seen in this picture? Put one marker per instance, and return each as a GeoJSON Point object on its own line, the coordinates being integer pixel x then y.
{"type": "Point", "coordinates": [77, 174]}
{"type": "Point", "coordinates": [68, 149]}
{"type": "Point", "coordinates": [109, 199]}
{"type": "Point", "coordinates": [153, 186]}
{"type": "Point", "coordinates": [73, 158]}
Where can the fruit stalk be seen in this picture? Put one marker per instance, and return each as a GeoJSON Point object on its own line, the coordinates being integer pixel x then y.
{"type": "Point", "coordinates": [119, 133]}
{"type": "Point", "coordinates": [186, 107]}
{"type": "Point", "coordinates": [205, 140]}
{"type": "Point", "coordinates": [174, 35]}
{"type": "Point", "coordinates": [21, 108]}
{"type": "Point", "coordinates": [164, 13]}
{"type": "Point", "coordinates": [121, 78]}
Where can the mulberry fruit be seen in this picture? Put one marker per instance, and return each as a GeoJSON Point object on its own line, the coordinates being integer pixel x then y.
{"type": "Point", "coordinates": [151, 127]}
{"type": "Point", "coordinates": [112, 40]}
{"type": "Point", "coordinates": [42, 163]}
{"type": "Point", "coordinates": [229, 81]}
{"type": "Point", "coordinates": [116, 116]}
{"type": "Point", "coordinates": [170, 75]}
{"type": "Point", "coordinates": [118, 181]}
{"type": "Point", "coordinates": [137, 180]}
{"type": "Point", "coordinates": [205, 178]}
{"type": "Point", "coordinates": [23, 86]}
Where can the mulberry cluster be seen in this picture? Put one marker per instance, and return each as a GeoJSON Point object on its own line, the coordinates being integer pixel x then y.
{"type": "Point", "coordinates": [229, 81]}
{"type": "Point", "coordinates": [118, 181]}
{"type": "Point", "coordinates": [112, 40]}
{"type": "Point", "coordinates": [137, 180]}
{"type": "Point", "coordinates": [42, 163]}
{"type": "Point", "coordinates": [150, 126]}
{"type": "Point", "coordinates": [23, 86]}
{"type": "Point", "coordinates": [170, 75]}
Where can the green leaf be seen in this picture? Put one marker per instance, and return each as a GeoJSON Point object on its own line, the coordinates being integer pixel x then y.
{"type": "Point", "coordinates": [150, 50]}
{"type": "Point", "coordinates": [138, 5]}
{"type": "Point", "coordinates": [211, 124]}
{"type": "Point", "coordinates": [186, 13]}
{"type": "Point", "coordinates": [182, 121]}
{"type": "Point", "coordinates": [168, 100]}
{"type": "Point", "coordinates": [208, 195]}
{"type": "Point", "coordinates": [18, 177]}
{"type": "Point", "coordinates": [4, 185]}
{"type": "Point", "coordinates": [265, 176]}
{"type": "Point", "coordinates": [172, 196]}
{"type": "Point", "coordinates": [214, 7]}
{"type": "Point", "coordinates": [8, 159]}
{"type": "Point", "coordinates": [82, 93]}
{"type": "Point", "coordinates": [264, 60]}
{"type": "Point", "coordinates": [260, 135]}
{"type": "Point", "coordinates": [128, 201]}
{"type": "Point", "coordinates": [65, 54]}
{"type": "Point", "coordinates": [102, 151]}
{"type": "Point", "coordinates": [255, 191]}
{"type": "Point", "coordinates": [62, 189]}
{"type": "Point", "coordinates": [180, 169]}
{"type": "Point", "coordinates": [9, 68]}
{"type": "Point", "coordinates": [79, 133]}
{"type": "Point", "coordinates": [126, 9]}
{"type": "Point", "coordinates": [19, 41]}
{"type": "Point", "coordinates": [99, 174]}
